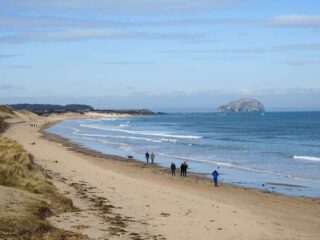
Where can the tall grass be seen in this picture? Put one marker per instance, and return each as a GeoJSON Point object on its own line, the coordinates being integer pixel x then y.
{"type": "Point", "coordinates": [18, 171]}
{"type": "Point", "coordinates": [3, 125]}
{"type": "Point", "coordinates": [6, 109]}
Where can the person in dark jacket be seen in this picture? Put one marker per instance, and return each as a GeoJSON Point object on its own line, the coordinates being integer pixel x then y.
{"type": "Point", "coordinates": [173, 169]}
{"type": "Point", "coordinates": [182, 169]}
{"type": "Point", "coordinates": [185, 168]}
{"type": "Point", "coordinates": [215, 175]}
{"type": "Point", "coordinates": [147, 157]}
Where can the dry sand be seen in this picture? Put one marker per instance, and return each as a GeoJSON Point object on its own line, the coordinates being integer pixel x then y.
{"type": "Point", "coordinates": [121, 199]}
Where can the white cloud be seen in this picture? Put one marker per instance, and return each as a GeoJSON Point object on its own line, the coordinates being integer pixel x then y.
{"type": "Point", "coordinates": [277, 91]}
{"type": "Point", "coordinates": [66, 34]}
{"type": "Point", "coordinates": [244, 92]}
{"type": "Point", "coordinates": [129, 62]}
{"type": "Point", "coordinates": [16, 67]}
{"type": "Point", "coordinates": [8, 55]}
{"type": "Point", "coordinates": [295, 21]}
{"type": "Point", "coordinates": [301, 62]}
{"type": "Point", "coordinates": [10, 87]}
{"type": "Point", "coordinates": [75, 34]}
{"type": "Point", "coordinates": [111, 6]}
{"type": "Point", "coordinates": [297, 47]}
{"type": "Point", "coordinates": [9, 23]}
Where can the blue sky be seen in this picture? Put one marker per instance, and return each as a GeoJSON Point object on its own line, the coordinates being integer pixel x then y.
{"type": "Point", "coordinates": [161, 54]}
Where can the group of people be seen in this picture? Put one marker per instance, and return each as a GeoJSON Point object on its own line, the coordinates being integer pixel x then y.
{"type": "Point", "coordinates": [151, 156]}
{"type": "Point", "coordinates": [183, 168]}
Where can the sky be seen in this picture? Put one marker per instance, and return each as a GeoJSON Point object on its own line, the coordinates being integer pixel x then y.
{"type": "Point", "coordinates": [161, 54]}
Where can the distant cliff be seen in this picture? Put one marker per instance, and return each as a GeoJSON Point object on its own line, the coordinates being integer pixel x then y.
{"type": "Point", "coordinates": [42, 109]}
{"type": "Point", "coordinates": [242, 105]}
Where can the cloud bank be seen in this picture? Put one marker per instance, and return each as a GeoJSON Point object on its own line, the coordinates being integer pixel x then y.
{"type": "Point", "coordinates": [111, 6]}
{"type": "Point", "coordinates": [295, 21]}
{"type": "Point", "coordinates": [8, 86]}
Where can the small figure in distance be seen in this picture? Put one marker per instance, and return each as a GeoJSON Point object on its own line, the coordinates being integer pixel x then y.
{"type": "Point", "coordinates": [182, 169]}
{"type": "Point", "coordinates": [147, 156]}
{"type": "Point", "coordinates": [215, 175]}
{"type": "Point", "coordinates": [185, 168]}
{"type": "Point", "coordinates": [152, 157]}
{"type": "Point", "coordinates": [173, 169]}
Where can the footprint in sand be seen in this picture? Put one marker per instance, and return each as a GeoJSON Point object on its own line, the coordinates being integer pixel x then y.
{"type": "Point", "coordinates": [187, 213]}
{"type": "Point", "coordinates": [165, 214]}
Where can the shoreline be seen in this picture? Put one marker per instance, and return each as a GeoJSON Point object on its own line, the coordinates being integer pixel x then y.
{"type": "Point", "coordinates": [204, 177]}
{"type": "Point", "coordinates": [139, 199]}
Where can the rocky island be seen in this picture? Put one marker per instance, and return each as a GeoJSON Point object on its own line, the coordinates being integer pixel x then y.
{"type": "Point", "coordinates": [242, 105]}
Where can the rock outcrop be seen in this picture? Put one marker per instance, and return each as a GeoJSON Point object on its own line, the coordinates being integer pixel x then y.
{"type": "Point", "coordinates": [242, 105]}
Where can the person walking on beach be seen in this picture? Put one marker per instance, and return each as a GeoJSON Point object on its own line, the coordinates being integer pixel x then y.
{"type": "Point", "coordinates": [173, 169]}
{"type": "Point", "coordinates": [152, 157]}
{"type": "Point", "coordinates": [215, 175]}
{"type": "Point", "coordinates": [182, 170]}
{"type": "Point", "coordinates": [147, 157]}
{"type": "Point", "coordinates": [185, 168]}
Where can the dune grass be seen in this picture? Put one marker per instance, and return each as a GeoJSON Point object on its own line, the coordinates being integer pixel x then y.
{"type": "Point", "coordinates": [30, 223]}
{"type": "Point", "coordinates": [3, 125]}
{"type": "Point", "coordinates": [28, 198]}
{"type": "Point", "coordinates": [18, 171]}
{"type": "Point", "coordinates": [17, 168]}
{"type": "Point", "coordinates": [6, 112]}
{"type": "Point", "coordinates": [6, 109]}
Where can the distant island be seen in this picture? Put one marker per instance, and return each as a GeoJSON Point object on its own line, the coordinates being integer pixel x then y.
{"type": "Point", "coordinates": [44, 109]}
{"type": "Point", "coordinates": [243, 105]}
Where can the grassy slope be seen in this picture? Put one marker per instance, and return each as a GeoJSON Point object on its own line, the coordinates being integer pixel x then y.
{"type": "Point", "coordinates": [5, 112]}
{"type": "Point", "coordinates": [3, 125]}
{"type": "Point", "coordinates": [26, 197]}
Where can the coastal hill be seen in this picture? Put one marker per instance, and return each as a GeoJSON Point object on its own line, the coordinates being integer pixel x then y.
{"type": "Point", "coordinates": [50, 108]}
{"type": "Point", "coordinates": [45, 109]}
{"type": "Point", "coordinates": [242, 105]}
{"type": "Point", "coordinates": [27, 196]}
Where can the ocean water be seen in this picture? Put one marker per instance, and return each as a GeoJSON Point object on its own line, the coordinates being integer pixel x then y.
{"type": "Point", "coordinates": [277, 151]}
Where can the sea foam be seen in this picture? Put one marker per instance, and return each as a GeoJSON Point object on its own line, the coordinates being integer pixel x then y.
{"type": "Point", "coordinates": [307, 158]}
{"type": "Point", "coordinates": [145, 133]}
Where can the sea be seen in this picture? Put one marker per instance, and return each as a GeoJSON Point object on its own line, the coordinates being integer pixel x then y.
{"type": "Point", "coordinates": [274, 151]}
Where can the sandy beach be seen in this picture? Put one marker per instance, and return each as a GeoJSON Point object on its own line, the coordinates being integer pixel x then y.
{"type": "Point", "coordinates": [125, 199]}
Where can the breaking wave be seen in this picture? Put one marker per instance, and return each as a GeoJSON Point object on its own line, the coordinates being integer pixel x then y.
{"type": "Point", "coordinates": [307, 158]}
{"type": "Point", "coordinates": [145, 133]}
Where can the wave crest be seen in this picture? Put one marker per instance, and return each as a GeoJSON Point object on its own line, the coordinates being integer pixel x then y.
{"type": "Point", "coordinates": [307, 158]}
{"type": "Point", "coordinates": [145, 133]}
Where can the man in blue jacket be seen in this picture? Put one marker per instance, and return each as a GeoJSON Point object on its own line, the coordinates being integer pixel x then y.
{"type": "Point", "coordinates": [215, 175]}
